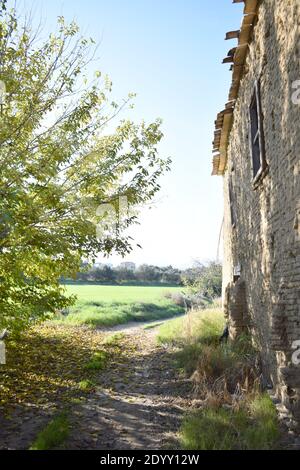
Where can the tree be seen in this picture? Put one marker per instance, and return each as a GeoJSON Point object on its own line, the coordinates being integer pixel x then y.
{"type": "Point", "coordinates": [148, 273]}
{"type": "Point", "coordinates": [123, 274]}
{"type": "Point", "coordinates": [108, 274]}
{"type": "Point", "coordinates": [59, 162]}
{"type": "Point", "coordinates": [171, 275]}
{"type": "Point", "coordinates": [205, 280]}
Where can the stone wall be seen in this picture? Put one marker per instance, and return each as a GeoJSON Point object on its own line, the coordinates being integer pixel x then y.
{"type": "Point", "coordinates": [265, 241]}
{"type": "Point", "coordinates": [235, 309]}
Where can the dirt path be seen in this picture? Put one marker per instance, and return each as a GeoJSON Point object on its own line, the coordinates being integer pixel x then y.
{"type": "Point", "coordinates": [139, 403]}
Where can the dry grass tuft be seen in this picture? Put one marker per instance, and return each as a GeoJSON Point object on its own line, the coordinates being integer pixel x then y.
{"type": "Point", "coordinates": [234, 413]}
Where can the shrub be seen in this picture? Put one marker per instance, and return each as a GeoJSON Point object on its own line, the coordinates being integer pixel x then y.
{"type": "Point", "coordinates": [178, 299]}
{"type": "Point", "coordinates": [205, 280]}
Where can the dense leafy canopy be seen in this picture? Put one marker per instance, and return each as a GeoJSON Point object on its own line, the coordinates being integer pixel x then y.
{"type": "Point", "coordinates": [60, 161]}
{"type": "Point", "coordinates": [204, 280]}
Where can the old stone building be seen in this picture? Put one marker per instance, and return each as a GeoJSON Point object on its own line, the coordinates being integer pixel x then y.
{"type": "Point", "coordinates": [257, 151]}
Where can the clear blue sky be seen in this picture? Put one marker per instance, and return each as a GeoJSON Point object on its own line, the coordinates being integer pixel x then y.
{"type": "Point", "coordinates": [169, 52]}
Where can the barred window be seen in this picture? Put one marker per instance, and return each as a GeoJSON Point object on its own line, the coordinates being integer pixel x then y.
{"type": "Point", "coordinates": [257, 147]}
{"type": "Point", "coordinates": [232, 208]}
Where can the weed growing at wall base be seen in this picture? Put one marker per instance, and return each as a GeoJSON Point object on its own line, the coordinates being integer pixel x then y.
{"type": "Point", "coordinates": [232, 413]}
{"type": "Point", "coordinates": [251, 426]}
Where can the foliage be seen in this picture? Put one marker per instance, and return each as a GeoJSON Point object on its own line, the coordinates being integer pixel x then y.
{"type": "Point", "coordinates": [104, 274]}
{"type": "Point", "coordinates": [252, 427]}
{"type": "Point", "coordinates": [61, 164]}
{"type": "Point", "coordinates": [165, 275]}
{"type": "Point", "coordinates": [144, 274]}
{"type": "Point", "coordinates": [205, 280]}
{"type": "Point", "coordinates": [55, 433]}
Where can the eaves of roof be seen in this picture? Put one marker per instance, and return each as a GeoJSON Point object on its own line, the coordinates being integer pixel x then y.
{"type": "Point", "coordinates": [237, 58]}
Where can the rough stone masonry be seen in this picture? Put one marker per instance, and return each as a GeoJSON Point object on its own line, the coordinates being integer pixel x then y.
{"type": "Point", "coordinates": [261, 168]}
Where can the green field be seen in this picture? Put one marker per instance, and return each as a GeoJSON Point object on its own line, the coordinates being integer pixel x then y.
{"type": "Point", "coordinates": [98, 305]}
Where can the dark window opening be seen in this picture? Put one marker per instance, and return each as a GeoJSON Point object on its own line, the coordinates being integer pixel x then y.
{"type": "Point", "coordinates": [232, 208]}
{"type": "Point", "coordinates": [257, 135]}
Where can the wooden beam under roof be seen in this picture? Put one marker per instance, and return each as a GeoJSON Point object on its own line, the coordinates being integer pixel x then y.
{"type": "Point", "coordinates": [231, 52]}
{"type": "Point", "coordinates": [228, 60]}
{"type": "Point", "coordinates": [237, 57]}
{"type": "Point", "coordinates": [232, 35]}
{"type": "Point", "coordinates": [250, 6]}
{"type": "Point", "coordinates": [226, 111]}
{"type": "Point", "coordinates": [245, 34]}
{"type": "Point", "coordinates": [234, 91]}
{"type": "Point", "coordinates": [248, 19]}
{"type": "Point", "coordinates": [240, 55]}
{"type": "Point", "coordinates": [230, 104]}
{"type": "Point", "coordinates": [237, 72]}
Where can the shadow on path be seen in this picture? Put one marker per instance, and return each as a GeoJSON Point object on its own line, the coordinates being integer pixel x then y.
{"type": "Point", "coordinates": [139, 404]}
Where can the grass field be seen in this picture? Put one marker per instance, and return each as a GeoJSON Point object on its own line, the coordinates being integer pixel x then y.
{"type": "Point", "coordinates": [98, 305]}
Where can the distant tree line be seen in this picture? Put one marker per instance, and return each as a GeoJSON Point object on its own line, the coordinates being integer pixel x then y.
{"type": "Point", "coordinates": [144, 274]}
{"type": "Point", "coordinates": [200, 279]}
